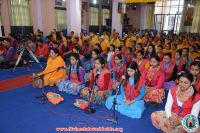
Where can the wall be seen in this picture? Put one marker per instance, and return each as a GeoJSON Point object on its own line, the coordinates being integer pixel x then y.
{"type": "Point", "coordinates": [48, 16]}
{"type": "Point", "coordinates": [4, 15]}
{"type": "Point", "coordinates": [134, 16]}
{"type": "Point", "coordinates": [34, 15]}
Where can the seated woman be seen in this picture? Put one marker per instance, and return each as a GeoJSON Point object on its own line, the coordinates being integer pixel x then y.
{"type": "Point", "coordinates": [130, 102]}
{"type": "Point", "coordinates": [193, 53]}
{"type": "Point", "coordinates": [195, 71]}
{"type": "Point", "coordinates": [76, 49]}
{"type": "Point", "coordinates": [110, 52]}
{"type": "Point", "coordinates": [181, 101]}
{"type": "Point", "coordinates": [118, 70]}
{"type": "Point", "coordinates": [160, 52]}
{"type": "Point", "coordinates": [170, 69]}
{"type": "Point", "coordinates": [141, 61]}
{"type": "Point", "coordinates": [53, 63]}
{"type": "Point", "coordinates": [150, 51]}
{"type": "Point", "coordinates": [129, 55]}
{"type": "Point", "coordinates": [180, 63]}
{"type": "Point", "coordinates": [111, 61]}
{"type": "Point", "coordinates": [186, 57]}
{"type": "Point", "coordinates": [155, 78]}
{"type": "Point", "coordinates": [95, 54]}
{"type": "Point", "coordinates": [75, 77]}
{"type": "Point", "coordinates": [100, 83]}
{"type": "Point", "coordinates": [42, 51]}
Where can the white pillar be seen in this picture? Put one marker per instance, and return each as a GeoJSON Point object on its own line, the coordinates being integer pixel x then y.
{"type": "Point", "coordinates": [73, 16]}
{"type": "Point", "coordinates": [39, 14]}
{"type": "Point", "coordinates": [116, 17]}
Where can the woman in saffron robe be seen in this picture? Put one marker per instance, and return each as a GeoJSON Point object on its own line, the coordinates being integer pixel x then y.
{"type": "Point", "coordinates": [167, 48]}
{"type": "Point", "coordinates": [129, 102]}
{"type": "Point", "coordinates": [179, 61]}
{"type": "Point", "coordinates": [142, 63]}
{"type": "Point", "coordinates": [193, 53]}
{"type": "Point", "coordinates": [100, 83]}
{"type": "Point", "coordinates": [75, 77]}
{"type": "Point", "coordinates": [181, 101]}
{"type": "Point", "coordinates": [155, 78]}
{"type": "Point", "coordinates": [54, 62]}
{"type": "Point", "coordinates": [170, 69]}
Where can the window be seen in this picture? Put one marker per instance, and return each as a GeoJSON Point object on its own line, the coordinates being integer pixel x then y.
{"type": "Point", "coordinates": [168, 15]}
{"type": "Point", "coordinates": [106, 15]}
{"type": "Point", "coordinates": [20, 13]}
{"type": "Point", "coordinates": [94, 16]}
{"type": "Point", "coordinates": [61, 19]}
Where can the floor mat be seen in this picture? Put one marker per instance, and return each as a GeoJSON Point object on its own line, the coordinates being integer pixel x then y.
{"type": "Point", "coordinates": [15, 82]}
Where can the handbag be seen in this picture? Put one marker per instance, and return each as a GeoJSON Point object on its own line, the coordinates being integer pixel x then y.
{"type": "Point", "coordinates": [37, 81]}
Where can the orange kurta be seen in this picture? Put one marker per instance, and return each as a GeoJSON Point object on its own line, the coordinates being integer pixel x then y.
{"type": "Point", "coordinates": [52, 78]}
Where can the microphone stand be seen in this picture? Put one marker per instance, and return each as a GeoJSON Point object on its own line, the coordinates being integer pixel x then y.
{"type": "Point", "coordinates": [114, 118]}
{"type": "Point", "coordinates": [89, 109]}
{"type": "Point", "coordinates": [43, 97]}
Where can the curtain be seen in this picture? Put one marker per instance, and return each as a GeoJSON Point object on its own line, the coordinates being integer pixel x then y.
{"type": "Point", "coordinates": [94, 16]}
{"type": "Point", "coordinates": [150, 16]}
{"type": "Point", "coordinates": [106, 15]}
{"type": "Point", "coordinates": [61, 19]}
{"type": "Point", "coordinates": [20, 13]}
{"type": "Point", "coordinates": [196, 18]}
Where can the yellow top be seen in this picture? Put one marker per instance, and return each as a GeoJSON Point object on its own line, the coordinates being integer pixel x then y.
{"type": "Point", "coordinates": [53, 64]}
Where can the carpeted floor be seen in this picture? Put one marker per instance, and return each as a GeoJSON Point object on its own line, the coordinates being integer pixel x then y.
{"type": "Point", "coordinates": [15, 83]}
{"type": "Point", "coordinates": [21, 112]}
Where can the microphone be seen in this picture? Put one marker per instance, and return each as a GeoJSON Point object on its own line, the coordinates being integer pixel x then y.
{"type": "Point", "coordinates": [61, 67]}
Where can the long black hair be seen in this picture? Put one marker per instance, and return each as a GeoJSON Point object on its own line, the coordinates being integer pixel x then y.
{"type": "Point", "coordinates": [76, 56]}
{"type": "Point", "coordinates": [153, 51]}
{"type": "Point", "coordinates": [156, 57]}
{"type": "Point", "coordinates": [55, 50]}
{"type": "Point", "coordinates": [132, 65]}
{"type": "Point", "coordinates": [101, 60]}
{"type": "Point", "coordinates": [189, 76]}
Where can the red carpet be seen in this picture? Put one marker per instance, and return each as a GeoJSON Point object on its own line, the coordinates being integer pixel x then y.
{"type": "Point", "coordinates": [15, 83]}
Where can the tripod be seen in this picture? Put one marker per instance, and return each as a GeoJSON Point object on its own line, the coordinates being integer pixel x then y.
{"type": "Point", "coordinates": [20, 57]}
{"type": "Point", "coordinates": [43, 97]}
{"type": "Point", "coordinates": [114, 118]}
{"type": "Point", "coordinates": [89, 109]}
